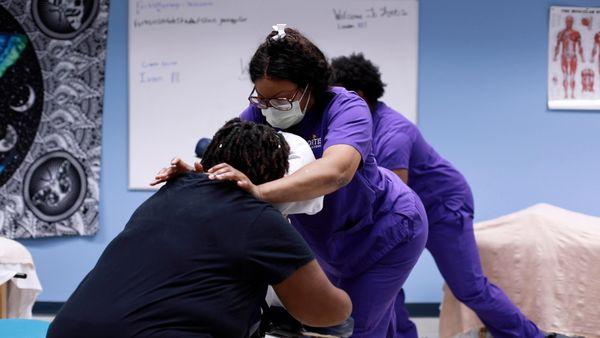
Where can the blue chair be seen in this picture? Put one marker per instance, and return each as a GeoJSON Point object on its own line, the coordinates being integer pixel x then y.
{"type": "Point", "coordinates": [23, 328]}
{"type": "Point", "coordinates": [201, 146]}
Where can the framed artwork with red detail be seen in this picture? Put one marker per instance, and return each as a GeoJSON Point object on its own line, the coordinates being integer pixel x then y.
{"type": "Point", "coordinates": [574, 58]}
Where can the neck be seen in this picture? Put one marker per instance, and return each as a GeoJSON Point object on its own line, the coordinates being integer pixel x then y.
{"type": "Point", "coordinates": [372, 106]}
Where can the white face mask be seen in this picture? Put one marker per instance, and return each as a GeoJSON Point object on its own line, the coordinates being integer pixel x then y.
{"type": "Point", "coordinates": [285, 119]}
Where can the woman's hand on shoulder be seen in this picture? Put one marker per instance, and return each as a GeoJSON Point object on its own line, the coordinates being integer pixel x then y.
{"type": "Point", "coordinates": [225, 172]}
{"type": "Point", "coordinates": [177, 167]}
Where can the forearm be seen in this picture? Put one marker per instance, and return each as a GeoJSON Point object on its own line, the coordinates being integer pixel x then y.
{"type": "Point", "coordinates": [315, 179]}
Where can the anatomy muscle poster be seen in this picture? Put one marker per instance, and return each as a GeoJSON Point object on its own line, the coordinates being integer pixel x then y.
{"type": "Point", "coordinates": [574, 58]}
{"type": "Point", "coordinates": [51, 95]}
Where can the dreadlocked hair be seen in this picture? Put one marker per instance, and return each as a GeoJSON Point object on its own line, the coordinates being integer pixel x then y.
{"type": "Point", "coordinates": [294, 58]}
{"type": "Point", "coordinates": [356, 73]}
{"type": "Point", "coordinates": [256, 150]}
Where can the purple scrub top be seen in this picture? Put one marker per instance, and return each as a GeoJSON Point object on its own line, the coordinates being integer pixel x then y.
{"type": "Point", "coordinates": [398, 144]}
{"type": "Point", "coordinates": [365, 219]}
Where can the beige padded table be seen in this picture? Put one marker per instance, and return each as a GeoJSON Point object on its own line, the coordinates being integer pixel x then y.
{"type": "Point", "coordinates": [547, 260]}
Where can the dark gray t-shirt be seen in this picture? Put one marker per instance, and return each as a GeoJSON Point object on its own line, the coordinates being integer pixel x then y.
{"type": "Point", "coordinates": [194, 260]}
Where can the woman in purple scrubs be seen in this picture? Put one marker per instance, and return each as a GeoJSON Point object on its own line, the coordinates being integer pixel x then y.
{"type": "Point", "coordinates": [399, 146]}
{"type": "Point", "coordinates": [372, 228]}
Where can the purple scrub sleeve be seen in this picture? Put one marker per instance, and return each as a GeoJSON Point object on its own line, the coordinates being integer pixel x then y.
{"type": "Point", "coordinates": [388, 152]}
{"type": "Point", "coordinates": [349, 122]}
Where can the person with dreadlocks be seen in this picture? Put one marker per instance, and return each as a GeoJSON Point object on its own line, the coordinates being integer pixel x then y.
{"type": "Point", "coordinates": [195, 259]}
{"type": "Point", "coordinates": [372, 228]}
{"type": "Point", "coordinates": [300, 155]}
{"type": "Point", "coordinates": [399, 146]}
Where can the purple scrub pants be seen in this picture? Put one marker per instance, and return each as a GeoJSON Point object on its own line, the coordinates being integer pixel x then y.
{"type": "Point", "coordinates": [452, 244]}
{"type": "Point", "coordinates": [374, 292]}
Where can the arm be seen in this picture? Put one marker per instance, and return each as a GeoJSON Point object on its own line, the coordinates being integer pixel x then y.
{"type": "Point", "coordinates": [331, 172]}
{"type": "Point", "coordinates": [277, 254]}
{"type": "Point", "coordinates": [403, 174]}
{"type": "Point", "coordinates": [580, 47]}
{"type": "Point", "coordinates": [321, 177]}
{"type": "Point", "coordinates": [595, 50]}
{"type": "Point", "coordinates": [347, 143]}
{"type": "Point", "coordinates": [311, 298]}
{"type": "Point", "coordinates": [557, 48]}
{"type": "Point", "coordinates": [394, 148]}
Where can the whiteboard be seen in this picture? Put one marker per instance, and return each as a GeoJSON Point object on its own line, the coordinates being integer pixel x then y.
{"type": "Point", "coordinates": [188, 63]}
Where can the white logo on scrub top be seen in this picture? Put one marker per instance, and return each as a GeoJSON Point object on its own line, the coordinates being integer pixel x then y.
{"type": "Point", "coordinates": [314, 142]}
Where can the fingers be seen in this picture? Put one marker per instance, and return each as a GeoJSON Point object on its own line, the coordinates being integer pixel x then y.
{"type": "Point", "coordinates": [218, 166]}
{"type": "Point", "coordinates": [156, 181]}
{"type": "Point", "coordinates": [221, 169]}
{"type": "Point", "coordinates": [224, 170]}
{"type": "Point", "coordinates": [198, 167]}
{"type": "Point", "coordinates": [180, 164]}
{"type": "Point", "coordinates": [226, 176]}
{"type": "Point", "coordinates": [166, 173]}
{"type": "Point", "coordinates": [162, 172]}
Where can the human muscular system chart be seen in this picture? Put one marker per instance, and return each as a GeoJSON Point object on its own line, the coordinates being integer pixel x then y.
{"type": "Point", "coordinates": [568, 44]}
{"type": "Point", "coordinates": [574, 58]}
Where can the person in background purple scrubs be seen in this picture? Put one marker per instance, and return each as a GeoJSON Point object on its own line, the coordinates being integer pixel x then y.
{"type": "Point", "coordinates": [399, 146]}
{"type": "Point", "coordinates": [372, 228]}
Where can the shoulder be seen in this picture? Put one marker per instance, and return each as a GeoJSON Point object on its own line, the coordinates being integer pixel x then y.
{"type": "Point", "coordinates": [340, 94]}
{"type": "Point", "coordinates": [345, 102]}
{"type": "Point", "coordinates": [386, 117]}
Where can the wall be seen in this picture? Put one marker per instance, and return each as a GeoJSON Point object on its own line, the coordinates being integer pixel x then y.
{"type": "Point", "coordinates": [482, 104]}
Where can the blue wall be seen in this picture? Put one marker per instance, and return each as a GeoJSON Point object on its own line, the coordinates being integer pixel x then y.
{"type": "Point", "coordinates": [482, 104]}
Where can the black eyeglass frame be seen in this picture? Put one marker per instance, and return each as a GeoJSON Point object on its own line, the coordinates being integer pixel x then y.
{"type": "Point", "coordinates": [266, 103]}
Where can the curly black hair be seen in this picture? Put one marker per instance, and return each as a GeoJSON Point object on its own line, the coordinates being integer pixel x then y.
{"type": "Point", "coordinates": [255, 149]}
{"type": "Point", "coordinates": [354, 72]}
{"type": "Point", "coordinates": [294, 58]}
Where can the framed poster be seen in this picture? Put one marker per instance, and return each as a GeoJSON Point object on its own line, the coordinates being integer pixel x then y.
{"type": "Point", "coordinates": [574, 58]}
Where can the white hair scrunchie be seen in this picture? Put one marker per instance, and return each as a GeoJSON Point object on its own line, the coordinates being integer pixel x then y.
{"type": "Point", "coordinates": [280, 29]}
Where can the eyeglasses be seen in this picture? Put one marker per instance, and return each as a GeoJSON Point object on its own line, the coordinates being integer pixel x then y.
{"type": "Point", "coordinates": [280, 103]}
